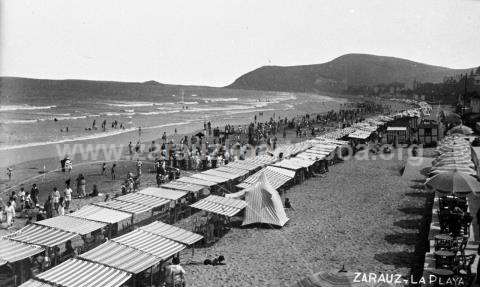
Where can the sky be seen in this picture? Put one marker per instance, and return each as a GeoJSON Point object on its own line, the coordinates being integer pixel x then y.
{"type": "Point", "coordinates": [212, 42]}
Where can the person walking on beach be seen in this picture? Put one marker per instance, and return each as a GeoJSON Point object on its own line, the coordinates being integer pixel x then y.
{"type": "Point", "coordinates": [104, 169]}
{"type": "Point", "coordinates": [81, 184]}
{"type": "Point", "coordinates": [112, 171]}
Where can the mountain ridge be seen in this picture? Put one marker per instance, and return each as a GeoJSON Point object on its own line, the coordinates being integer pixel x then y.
{"type": "Point", "coordinates": [344, 71]}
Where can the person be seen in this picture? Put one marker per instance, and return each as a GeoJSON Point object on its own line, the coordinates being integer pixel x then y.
{"type": "Point", "coordinates": [287, 203]}
{"type": "Point", "coordinates": [81, 184]}
{"type": "Point", "coordinates": [112, 171]}
{"type": "Point", "coordinates": [9, 173]}
{"type": "Point", "coordinates": [10, 213]}
{"type": "Point", "coordinates": [68, 195]}
{"type": "Point", "coordinates": [55, 198]}
{"type": "Point", "coordinates": [29, 220]}
{"type": "Point", "coordinates": [139, 167]}
{"type": "Point", "coordinates": [94, 191]}
{"type": "Point", "coordinates": [130, 148]}
{"type": "Point", "coordinates": [175, 274]}
{"type": "Point", "coordinates": [34, 194]}
{"type": "Point", "coordinates": [104, 168]}
{"type": "Point", "coordinates": [69, 250]}
{"type": "Point", "coordinates": [21, 196]}
{"type": "Point", "coordinates": [48, 207]}
{"type": "Point", "coordinates": [61, 206]}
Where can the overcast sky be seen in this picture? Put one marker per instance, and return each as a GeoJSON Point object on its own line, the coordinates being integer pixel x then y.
{"type": "Point", "coordinates": [213, 42]}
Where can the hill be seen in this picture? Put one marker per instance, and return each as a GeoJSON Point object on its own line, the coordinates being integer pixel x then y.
{"type": "Point", "coordinates": [345, 71]}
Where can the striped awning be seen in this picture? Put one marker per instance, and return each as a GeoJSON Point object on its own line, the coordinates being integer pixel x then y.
{"type": "Point", "coordinates": [156, 245]}
{"type": "Point", "coordinates": [120, 256]}
{"type": "Point", "coordinates": [35, 283]}
{"type": "Point", "coordinates": [101, 214]}
{"type": "Point", "coordinates": [80, 273]}
{"type": "Point", "coordinates": [183, 186]}
{"type": "Point", "coordinates": [41, 235]}
{"type": "Point", "coordinates": [209, 177]}
{"type": "Point", "coordinates": [3, 262]}
{"type": "Point", "coordinates": [143, 199]}
{"type": "Point", "coordinates": [193, 180]}
{"type": "Point", "coordinates": [166, 193]}
{"type": "Point", "coordinates": [224, 206]}
{"type": "Point", "coordinates": [172, 232]}
{"type": "Point", "coordinates": [245, 164]}
{"type": "Point", "coordinates": [72, 224]}
{"type": "Point", "coordinates": [13, 251]}
{"type": "Point", "coordinates": [235, 171]}
{"type": "Point", "coordinates": [275, 175]}
{"type": "Point", "coordinates": [290, 164]}
{"type": "Point", "coordinates": [218, 173]}
{"type": "Point", "coordinates": [311, 156]}
{"type": "Point", "coordinates": [124, 206]}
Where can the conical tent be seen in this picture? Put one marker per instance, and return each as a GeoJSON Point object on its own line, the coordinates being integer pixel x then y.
{"type": "Point", "coordinates": [264, 204]}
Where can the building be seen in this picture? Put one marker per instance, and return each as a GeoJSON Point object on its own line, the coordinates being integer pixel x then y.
{"type": "Point", "coordinates": [429, 133]}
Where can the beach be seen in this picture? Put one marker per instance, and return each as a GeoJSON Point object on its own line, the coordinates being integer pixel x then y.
{"type": "Point", "coordinates": [362, 215]}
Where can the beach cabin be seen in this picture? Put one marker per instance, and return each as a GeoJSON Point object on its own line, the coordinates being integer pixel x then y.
{"type": "Point", "coordinates": [428, 133]}
{"type": "Point", "coordinates": [397, 135]}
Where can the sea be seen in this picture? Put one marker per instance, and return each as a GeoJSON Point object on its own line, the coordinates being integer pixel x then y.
{"type": "Point", "coordinates": [32, 122]}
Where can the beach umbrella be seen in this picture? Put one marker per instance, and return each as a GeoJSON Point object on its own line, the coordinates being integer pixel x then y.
{"type": "Point", "coordinates": [461, 129]}
{"type": "Point", "coordinates": [450, 161]}
{"type": "Point", "coordinates": [443, 150]}
{"type": "Point", "coordinates": [451, 167]}
{"type": "Point", "coordinates": [448, 170]}
{"type": "Point", "coordinates": [454, 182]}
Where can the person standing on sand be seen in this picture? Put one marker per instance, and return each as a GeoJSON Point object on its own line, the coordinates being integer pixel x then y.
{"type": "Point", "coordinates": [81, 183]}
{"type": "Point", "coordinates": [48, 207]}
{"type": "Point", "coordinates": [104, 169]}
{"type": "Point", "coordinates": [139, 167]}
{"type": "Point", "coordinates": [10, 213]}
{"type": "Point", "coordinates": [112, 171]}
{"type": "Point", "coordinates": [130, 148]}
{"type": "Point", "coordinates": [55, 198]}
{"type": "Point", "coordinates": [68, 195]}
{"type": "Point", "coordinates": [9, 173]}
{"type": "Point", "coordinates": [175, 274]}
{"type": "Point", "coordinates": [34, 194]}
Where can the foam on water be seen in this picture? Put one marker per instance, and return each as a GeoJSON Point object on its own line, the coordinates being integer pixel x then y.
{"type": "Point", "coordinates": [6, 108]}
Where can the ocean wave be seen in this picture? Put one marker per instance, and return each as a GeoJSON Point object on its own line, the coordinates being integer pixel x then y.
{"type": "Point", "coordinates": [17, 121]}
{"type": "Point", "coordinates": [220, 99]}
{"type": "Point", "coordinates": [7, 108]}
{"type": "Point", "coordinates": [79, 138]}
{"type": "Point", "coordinates": [131, 104]}
{"type": "Point", "coordinates": [158, 112]}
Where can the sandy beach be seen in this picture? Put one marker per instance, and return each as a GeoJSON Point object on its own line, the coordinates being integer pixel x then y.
{"type": "Point", "coordinates": [363, 214]}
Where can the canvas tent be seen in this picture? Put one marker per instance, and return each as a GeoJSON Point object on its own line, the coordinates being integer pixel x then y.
{"type": "Point", "coordinates": [264, 204]}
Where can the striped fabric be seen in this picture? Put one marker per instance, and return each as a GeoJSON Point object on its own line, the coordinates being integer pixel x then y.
{"type": "Point", "coordinates": [3, 262]}
{"type": "Point", "coordinates": [101, 214]}
{"type": "Point", "coordinates": [122, 257]}
{"type": "Point", "coordinates": [72, 224]}
{"type": "Point", "coordinates": [183, 186]}
{"type": "Point", "coordinates": [193, 180]}
{"type": "Point", "coordinates": [172, 232]}
{"type": "Point", "coordinates": [208, 177]}
{"type": "Point", "coordinates": [79, 273]}
{"type": "Point", "coordinates": [275, 175]}
{"type": "Point", "coordinates": [215, 208]}
{"type": "Point", "coordinates": [144, 241]}
{"type": "Point", "coordinates": [226, 201]}
{"type": "Point", "coordinates": [220, 205]}
{"type": "Point", "coordinates": [41, 235]}
{"type": "Point", "coordinates": [218, 173]}
{"type": "Point", "coordinates": [35, 283]}
{"type": "Point", "coordinates": [264, 205]}
{"type": "Point", "coordinates": [124, 206]}
{"type": "Point", "coordinates": [310, 156]}
{"type": "Point", "coordinates": [163, 193]}
{"type": "Point", "coordinates": [13, 251]}
{"type": "Point", "coordinates": [146, 200]}
{"type": "Point", "coordinates": [231, 170]}
{"type": "Point", "coordinates": [290, 164]}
